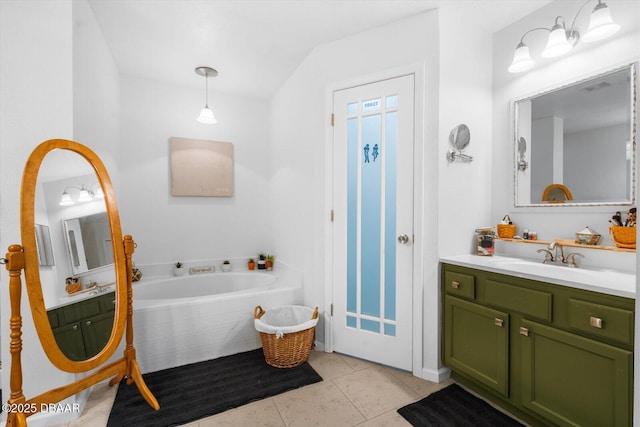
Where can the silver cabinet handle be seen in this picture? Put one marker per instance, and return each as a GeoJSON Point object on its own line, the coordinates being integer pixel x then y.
{"type": "Point", "coordinates": [596, 322]}
{"type": "Point", "coordinates": [75, 327]}
{"type": "Point", "coordinates": [524, 331]}
{"type": "Point", "coordinates": [498, 322]}
{"type": "Point", "coordinates": [403, 238]}
{"type": "Point", "coordinates": [88, 323]}
{"type": "Point", "coordinates": [455, 285]}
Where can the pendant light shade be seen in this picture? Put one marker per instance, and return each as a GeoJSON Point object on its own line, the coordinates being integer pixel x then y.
{"type": "Point", "coordinates": [206, 115]}
{"type": "Point", "coordinates": [66, 200]}
{"type": "Point", "coordinates": [601, 24]}
{"type": "Point", "coordinates": [521, 59]}
{"type": "Point", "coordinates": [557, 44]}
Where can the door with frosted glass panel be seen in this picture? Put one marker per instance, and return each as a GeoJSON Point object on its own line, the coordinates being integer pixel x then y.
{"type": "Point", "coordinates": [373, 221]}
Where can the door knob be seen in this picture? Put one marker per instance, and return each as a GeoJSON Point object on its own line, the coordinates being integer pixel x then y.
{"type": "Point", "coordinates": [403, 238]}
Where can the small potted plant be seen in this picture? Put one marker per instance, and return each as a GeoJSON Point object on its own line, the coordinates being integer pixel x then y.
{"type": "Point", "coordinates": [179, 270]}
{"type": "Point", "coordinates": [251, 264]}
{"type": "Point", "coordinates": [269, 261]}
{"type": "Point", "coordinates": [262, 260]}
{"type": "Point", "coordinates": [226, 266]}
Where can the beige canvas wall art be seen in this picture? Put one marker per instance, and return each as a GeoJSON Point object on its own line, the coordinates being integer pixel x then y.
{"type": "Point", "coordinates": [201, 168]}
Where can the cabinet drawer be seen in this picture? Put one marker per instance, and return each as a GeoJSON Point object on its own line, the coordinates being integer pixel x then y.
{"type": "Point", "coordinates": [75, 312]}
{"type": "Point", "coordinates": [526, 301]}
{"type": "Point", "coordinates": [601, 320]}
{"type": "Point", "coordinates": [462, 285]}
{"type": "Point", "coordinates": [108, 302]}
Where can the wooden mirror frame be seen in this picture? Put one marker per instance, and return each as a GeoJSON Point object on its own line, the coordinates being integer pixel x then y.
{"type": "Point", "coordinates": [26, 257]}
{"type": "Point", "coordinates": [547, 191]}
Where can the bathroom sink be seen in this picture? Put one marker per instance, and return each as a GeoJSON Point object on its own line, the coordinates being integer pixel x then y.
{"type": "Point", "coordinates": [600, 280]}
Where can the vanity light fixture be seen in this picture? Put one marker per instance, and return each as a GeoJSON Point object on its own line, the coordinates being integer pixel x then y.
{"type": "Point", "coordinates": [206, 115]}
{"type": "Point", "coordinates": [561, 40]}
{"type": "Point", "coordinates": [85, 195]}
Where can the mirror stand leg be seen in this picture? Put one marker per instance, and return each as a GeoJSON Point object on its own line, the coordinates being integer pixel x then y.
{"type": "Point", "coordinates": [15, 264]}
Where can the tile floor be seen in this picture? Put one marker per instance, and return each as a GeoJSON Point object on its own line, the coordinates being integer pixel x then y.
{"type": "Point", "coordinates": [354, 393]}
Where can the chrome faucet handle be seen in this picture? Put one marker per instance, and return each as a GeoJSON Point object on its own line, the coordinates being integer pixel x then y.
{"type": "Point", "coordinates": [548, 255]}
{"type": "Point", "coordinates": [572, 261]}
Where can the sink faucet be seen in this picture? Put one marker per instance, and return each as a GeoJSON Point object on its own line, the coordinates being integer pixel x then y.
{"type": "Point", "coordinates": [572, 261]}
{"type": "Point", "coordinates": [555, 246]}
{"type": "Point", "coordinates": [548, 255]}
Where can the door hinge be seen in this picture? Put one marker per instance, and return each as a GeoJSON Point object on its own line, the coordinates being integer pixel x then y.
{"type": "Point", "coordinates": [331, 215]}
{"type": "Point", "coordinates": [332, 119]}
{"type": "Point", "coordinates": [331, 309]}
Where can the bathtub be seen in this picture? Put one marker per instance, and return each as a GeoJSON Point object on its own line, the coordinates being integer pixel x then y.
{"type": "Point", "coordinates": [188, 319]}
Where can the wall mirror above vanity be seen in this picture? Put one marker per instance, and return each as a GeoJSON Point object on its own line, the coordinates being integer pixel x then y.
{"type": "Point", "coordinates": [582, 136]}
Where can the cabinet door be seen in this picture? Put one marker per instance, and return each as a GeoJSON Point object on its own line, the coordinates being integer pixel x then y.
{"type": "Point", "coordinates": [476, 343]}
{"type": "Point", "coordinates": [69, 339]}
{"type": "Point", "coordinates": [96, 332]}
{"type": "Point", "coordinates": [572, 380]}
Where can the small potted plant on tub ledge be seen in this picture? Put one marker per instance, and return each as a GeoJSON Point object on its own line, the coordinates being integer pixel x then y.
{"type": "Point", "coordinates": [262, 260]}
{"type": "Point", "coordinates": [226, 266]}
{"type": "Point", "coordinates": [251, 264]}
{"type": "Point", "coordinates": [269, 262]}
{"type": "Point", "coordinates": [179, 270]}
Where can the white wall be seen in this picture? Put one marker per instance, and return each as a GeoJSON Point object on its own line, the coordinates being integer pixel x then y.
{"type": "Point", "coordinates": [586, 59]}
{"type": "Point", "coordinates": [169, 229]}
{"type": "Point", "coordinates": [583, 151]}
{"type": "Point", "coordinates": [36, 104]}
{"type": "Point", "coordinates": [300, 134]}
{"type": "Point", "coordinates": [37, 73]}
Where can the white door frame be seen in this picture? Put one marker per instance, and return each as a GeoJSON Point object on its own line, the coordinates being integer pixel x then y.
{"type": "Point", "coordinates": [418, 187]}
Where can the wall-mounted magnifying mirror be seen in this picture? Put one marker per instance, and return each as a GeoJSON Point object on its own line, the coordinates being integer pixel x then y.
{"type": "Point", "coordinates": [582, 136]}
{"type": "Point", "coordinates": [79, 327]}
{"type": "Point", "coordinates": [459, 138]}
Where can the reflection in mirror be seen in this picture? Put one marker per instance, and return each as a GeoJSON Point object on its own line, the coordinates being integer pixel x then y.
{"type": "Point", "coordinates": [70, 203]}
{"type": "Point", "coordinates": [89, 242]}
{"type": "Point", "coordinates": [580, 136]}
{"type": "Point", "coordinates": [43, 243]}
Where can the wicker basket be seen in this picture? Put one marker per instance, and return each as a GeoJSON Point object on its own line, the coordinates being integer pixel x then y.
{"type": "Point", "coordinates": [506, 231]}
{"type": "Point", "coordinates": [623, 237]}
{"type": "Point", "coordinates": [287, 350]}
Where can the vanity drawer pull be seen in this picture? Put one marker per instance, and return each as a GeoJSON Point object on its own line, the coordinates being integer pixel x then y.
{"type": "Point", "coordinates": [455, 285]}
{"type": "Point", "coordinates": [74, 327]}
{"type": "Point", "coordinates": [88, 323]}
{"type": "Point", "coordinates": [524, 331]}
{"type": "Point", "coordinates": [596, 322]}
{"type": "Point", "coordinates": [498, 322]}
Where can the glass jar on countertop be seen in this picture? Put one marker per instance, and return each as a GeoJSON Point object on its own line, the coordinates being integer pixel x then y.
{"type": "Point", "coordinates": [484, 241]}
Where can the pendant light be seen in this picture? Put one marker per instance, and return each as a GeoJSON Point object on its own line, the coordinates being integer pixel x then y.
{"type": "Point", "coordinates": [206, 115]}
{"type": "Point", "coordinates": [560, 40]}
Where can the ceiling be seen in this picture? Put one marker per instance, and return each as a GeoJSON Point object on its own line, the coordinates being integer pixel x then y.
{"type": "Point", "coordinates": [257, 44]}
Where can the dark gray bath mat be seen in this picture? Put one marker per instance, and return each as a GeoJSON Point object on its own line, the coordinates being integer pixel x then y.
{"type": "Point", "coordinates": [455, 407]}
{"type": "Point", "coordinates": [195, 391]}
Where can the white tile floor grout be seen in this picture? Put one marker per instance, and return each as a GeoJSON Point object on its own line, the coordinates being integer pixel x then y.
{"type": "Point", "coordinates": [353, 393]}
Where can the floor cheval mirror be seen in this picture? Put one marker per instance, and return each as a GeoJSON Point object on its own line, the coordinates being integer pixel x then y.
{"type": "Point", "coordinates": [25, 257]}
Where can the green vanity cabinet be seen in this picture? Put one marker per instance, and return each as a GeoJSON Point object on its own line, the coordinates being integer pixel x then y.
{"type": "Point", "coordinates": [552, 355]}
{"type": "Point", "coordinates": [478, 342]}
{"type": "Point", "coordinates": [83, 328]}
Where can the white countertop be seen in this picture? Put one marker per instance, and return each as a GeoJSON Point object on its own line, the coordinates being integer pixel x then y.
{"type": "Point", "coordinates": [605, 281]}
